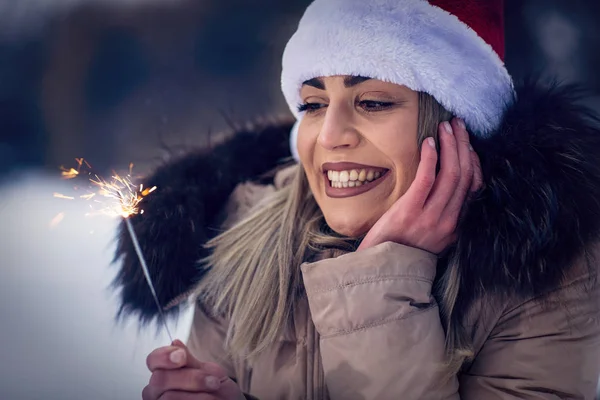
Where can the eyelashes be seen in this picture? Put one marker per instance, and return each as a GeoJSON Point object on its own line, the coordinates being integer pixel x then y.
{"type": "Point", "coordinates": [374, 105]}
{"type": "Point", "coordinates": [368, 106]}
{"type": "Point", "coordinates": [310, 107]}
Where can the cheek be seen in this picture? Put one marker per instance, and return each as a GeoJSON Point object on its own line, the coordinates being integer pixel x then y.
{"type": "Point", "coordinates": [406, 163]}
{"type": "Point", "coordinates": [306, 145]}
{"type": "Point", "coordinates": [305, 142]}
{"type": "Point", "coordinates": [403, 158]}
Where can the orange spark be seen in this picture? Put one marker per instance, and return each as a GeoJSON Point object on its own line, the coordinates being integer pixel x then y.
{"type": "Point", "coordinates": [69, 173]}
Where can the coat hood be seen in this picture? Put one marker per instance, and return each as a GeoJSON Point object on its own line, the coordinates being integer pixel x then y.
{"type": "Point", "coordinates": [538, 212]}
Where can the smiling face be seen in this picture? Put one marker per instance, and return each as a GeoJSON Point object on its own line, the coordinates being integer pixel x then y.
{"type": "Point", "coordinates": [357, 143]}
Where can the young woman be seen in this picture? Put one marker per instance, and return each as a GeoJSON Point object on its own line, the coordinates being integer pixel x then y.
{"type": "Point", "coordinates": [389, 261]}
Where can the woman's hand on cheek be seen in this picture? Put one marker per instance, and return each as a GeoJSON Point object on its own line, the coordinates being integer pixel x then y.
{"type": "Point", "coordinates": [427, 215]}
{"type": "Point", "coordinates": [177, 375]}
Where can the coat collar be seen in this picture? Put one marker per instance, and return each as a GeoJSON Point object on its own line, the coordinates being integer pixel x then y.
{"type": "Point", "coordinates": [539, 210]}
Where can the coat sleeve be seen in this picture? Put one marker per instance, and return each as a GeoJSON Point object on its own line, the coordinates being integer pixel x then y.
{"type": "Point", "coordinates": [381, 335]}
{"type": "Point", "coordinates": [380, 331]}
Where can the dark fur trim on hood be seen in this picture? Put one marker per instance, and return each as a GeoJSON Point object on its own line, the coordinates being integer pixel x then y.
{"type": "Point", "coordinates": [539, 210]}
{"type": "Point", "coordinates": [185, 212]}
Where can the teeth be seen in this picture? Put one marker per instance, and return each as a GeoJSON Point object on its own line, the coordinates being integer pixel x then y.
{"type": "Point", "coordinates": [362, 176]}
{"type": "Point", "coordinates": [344, 176]}
{"type": "Point", "coordinates": [352, 178]}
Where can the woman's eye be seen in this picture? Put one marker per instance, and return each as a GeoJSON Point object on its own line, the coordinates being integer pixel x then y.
{"type": "Point", "coordinates": [372, 105]}
{"type": "Point", "coordinates": [310, 107]}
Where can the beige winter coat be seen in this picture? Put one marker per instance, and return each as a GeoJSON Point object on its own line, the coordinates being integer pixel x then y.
{"type": "Point", "coordinates": [369, 328]}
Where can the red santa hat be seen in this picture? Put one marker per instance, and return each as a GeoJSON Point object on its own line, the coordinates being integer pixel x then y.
{"type": "Point", "coordinates": [451, 49]}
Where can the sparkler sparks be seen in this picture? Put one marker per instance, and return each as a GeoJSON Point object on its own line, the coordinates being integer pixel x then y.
{"type": "Point", "coordinates": [125, 195]}
{"type": "Point", "coordinates": [118, 197]}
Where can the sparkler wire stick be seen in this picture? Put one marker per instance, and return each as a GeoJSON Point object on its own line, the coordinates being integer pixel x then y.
{"type": "Point", "coordinates": [138, 250]}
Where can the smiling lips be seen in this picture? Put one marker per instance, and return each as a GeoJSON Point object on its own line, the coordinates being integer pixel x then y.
{"type": "Point", "coordinates": [350, 179]}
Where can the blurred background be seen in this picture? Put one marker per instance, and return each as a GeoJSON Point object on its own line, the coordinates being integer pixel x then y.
{"type": "Point", "coordinates": [120, 81]}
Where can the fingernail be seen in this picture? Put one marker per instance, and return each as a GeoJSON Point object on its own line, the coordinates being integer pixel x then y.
{"type": "Point", "coordinates": [471, 148]}
{"type": "Point", "coordinates": [448, 127]}
{"type": "Point", "coordinates": [461, 123]}
{"type": "Point", "coordinates": [177, 357]}
{"type": "Point", "coordinates": [212, 382]}
{"type": "Point", "coordinates": [431, 142]}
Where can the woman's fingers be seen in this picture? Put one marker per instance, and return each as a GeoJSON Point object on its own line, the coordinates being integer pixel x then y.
{"type": "Point", "coordinates": [419, 190]}
{"type": "Point", "coordinates": [183, 379]}
{"type": "Point", "coordinates": [172, 357]}
{"type": "Point", "coordinates": [450, 170]}
{"type": "Point", "coordinates": [465, 160]}
{"type": "Point", "coordinates": [168, 357]}
{"type": "Point", "coordinates": [177, 374]}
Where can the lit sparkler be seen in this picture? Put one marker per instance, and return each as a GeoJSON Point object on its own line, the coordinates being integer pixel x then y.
{"type": "Point", "coordinates": [119, 197]}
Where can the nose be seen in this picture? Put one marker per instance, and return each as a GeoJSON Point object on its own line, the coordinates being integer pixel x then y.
{"type": "Point", "coordinates": [338, 131]}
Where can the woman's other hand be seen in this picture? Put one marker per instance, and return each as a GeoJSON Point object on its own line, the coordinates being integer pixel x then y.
{"type": "Point", "coordinates": [177, 375]}
{"type": "Point", "coordinates": [427, 215]}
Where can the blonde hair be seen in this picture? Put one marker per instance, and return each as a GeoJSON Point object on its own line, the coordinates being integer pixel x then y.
{"type": "Point", "coordinates": [254, 279]}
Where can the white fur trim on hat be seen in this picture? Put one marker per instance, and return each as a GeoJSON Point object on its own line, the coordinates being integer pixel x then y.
{"type": "Point", "coordinates": [407, 42]}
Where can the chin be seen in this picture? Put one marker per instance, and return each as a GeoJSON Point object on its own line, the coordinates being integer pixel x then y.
{"type": "Point", "coordinates": [349, 227]}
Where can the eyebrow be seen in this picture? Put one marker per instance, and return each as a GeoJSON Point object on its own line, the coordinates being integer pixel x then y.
{"type": "Point", "coordinates": [349, 81]}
